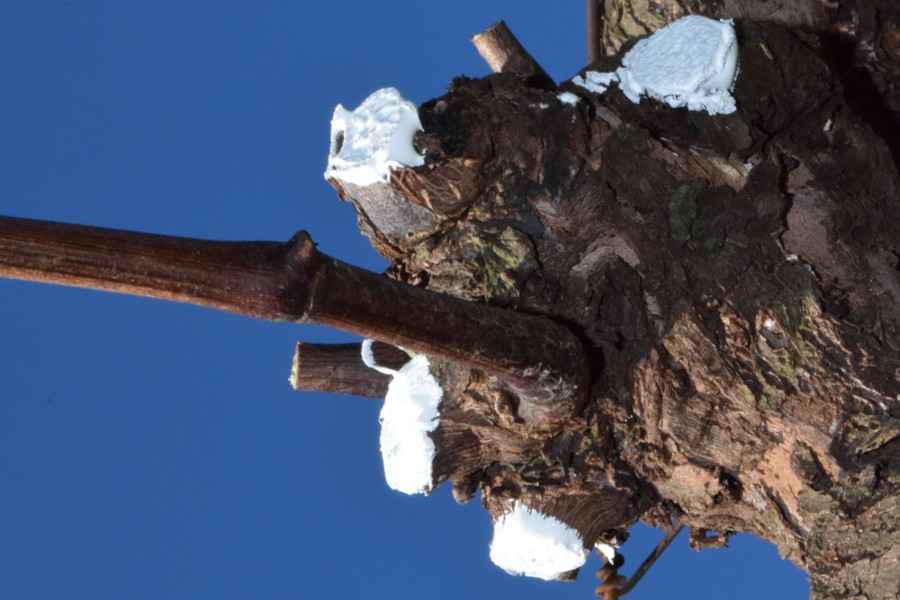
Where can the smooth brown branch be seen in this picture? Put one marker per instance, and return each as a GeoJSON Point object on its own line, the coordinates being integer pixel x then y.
{"type": "Point", "coordinates": [504, 54]}
{"type": "Point", "coordinates": [247, 278]}
{"type": "Point", "coordinates": [339, 369]}
{"type": "Point", "coordinates": [539, 359]}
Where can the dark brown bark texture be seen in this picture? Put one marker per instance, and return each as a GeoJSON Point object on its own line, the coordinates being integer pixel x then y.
{"type": "Point", "coordinates": [733, 278]}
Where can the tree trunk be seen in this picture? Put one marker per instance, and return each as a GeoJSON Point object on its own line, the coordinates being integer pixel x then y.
{"type": "Point", "coordinates": [734, 278]}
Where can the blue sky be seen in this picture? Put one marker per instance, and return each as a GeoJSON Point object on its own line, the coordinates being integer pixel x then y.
{"type": "Point", "coordinates": [152, 450]}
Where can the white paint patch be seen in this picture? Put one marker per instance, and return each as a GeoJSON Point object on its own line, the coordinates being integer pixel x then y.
{"type": "Point", "coordinates": [609, 552]}
{"type": "Point", "coordinates": [371, 141]}
{"type": "Point", "coordinates": [596, 82]}
{"type": "Point", "coordinates": [568, 98]}
{"type": "Point", "coordinates": [410, 412]}
{"type": "Point", "coordinates": [770, 324]}
{"type": "Point", "coordinates": [527, 542]}
{"type": "Point", "coordinates": [691, 62]}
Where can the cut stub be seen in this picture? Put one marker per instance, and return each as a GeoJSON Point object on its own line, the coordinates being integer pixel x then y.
{"type": "Point", "coordinates": [377, 161]}
{"type": "Point", "coordinates": [339, 369]}
{"type": "Point", "coordinates": [387, 217]}
{"type": "Point", "coordinates": [545, 523]}
{"type": "Point", "coordinates": [367, 145]}
{"type": "Point", "coordinates": [376, 138]}
{"type": "Point", "coordinates": [529, 542]}
{"type": "Point", "coordinates": [691, 62]}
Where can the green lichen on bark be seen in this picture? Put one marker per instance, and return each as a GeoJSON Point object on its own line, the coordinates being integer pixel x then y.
{"type": "Point", "coordinates": [489, 266]}
{"type": "Point", "coordinates": [507, 259]}
{"type": "Point", "coordinates": [683, 210]}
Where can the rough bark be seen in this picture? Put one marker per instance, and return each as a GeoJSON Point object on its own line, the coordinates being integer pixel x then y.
{"type": "Point", "coordinates": [734, 278]}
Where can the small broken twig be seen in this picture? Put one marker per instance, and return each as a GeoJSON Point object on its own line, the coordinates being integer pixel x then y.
{"type": "Point", "coordinates": [504, 54]}
{"type": "Point", "coordinates": [648, 562]}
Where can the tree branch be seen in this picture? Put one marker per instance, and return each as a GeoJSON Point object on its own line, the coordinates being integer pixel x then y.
{"type": "Point", "coordinates": [246, 278]}
{"type": "Point", "coordinates": [539, 359]}
{"type": "Point", "coordinates": [504, 54]}
{"type": "Point", "coordinates": [339, 369]}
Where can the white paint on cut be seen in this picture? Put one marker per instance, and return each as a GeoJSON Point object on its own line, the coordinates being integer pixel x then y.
{"type": "Point", "coordinates": [609, 552]}
{"type": "Point", "coordinates": [409, 414]}
{"type": "Point", "coordinates": [691, 62]}
{"type": "Point", "coordinates": [770, 324]}
{"type": "Point", "coordinates": [595, 81]}
{"type": "Point", "coordinates": [371, 141]}
{"type": "Point", "coordinates": [568, 98]}
{"type": "Point", "coordinates": [527, 542]}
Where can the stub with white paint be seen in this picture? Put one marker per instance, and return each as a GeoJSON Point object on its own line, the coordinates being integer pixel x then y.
{"type": "Point", "coordinates": [371, 141]}
{"type": "Point", "coordinates": [528, 542]}
{"type": "Point", "coordinates": [409, 414]}
{"type": "Point", "coordinates": [691, 62]}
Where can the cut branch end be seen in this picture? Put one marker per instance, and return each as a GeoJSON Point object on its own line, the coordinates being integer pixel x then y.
{"type": "Point", "coordinates": [504, 54]}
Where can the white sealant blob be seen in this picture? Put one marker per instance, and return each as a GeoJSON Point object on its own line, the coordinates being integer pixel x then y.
{"type": "Point", "coordinates": [568, 98]}
{"type": "Point", "coordinates": [409, 413]}
{"type": "Point", "coordinates": [690, 62]}
{"type": "Point", "coordinates": [606, 550]}
{"type": "Point", "coordinates": [596, 82]}
{"type": "Point", "coordinates": [369, 142]}
{"type": "Point", "coordinates": [527, 542]}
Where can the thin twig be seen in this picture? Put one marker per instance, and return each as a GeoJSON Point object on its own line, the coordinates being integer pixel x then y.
{"type": "Point", "coordinates": [648, 562]}
{"type": "Point", "coordinates": [504, 54]}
